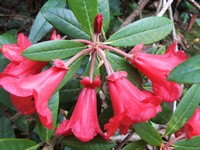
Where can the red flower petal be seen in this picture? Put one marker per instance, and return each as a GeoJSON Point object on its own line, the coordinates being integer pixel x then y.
{"type": "Point", "coordinates": [83, 122]}
{"type": "Point", "coordinates": [130, 105]}
{"type": "Point", "coordinates": [157, 68]}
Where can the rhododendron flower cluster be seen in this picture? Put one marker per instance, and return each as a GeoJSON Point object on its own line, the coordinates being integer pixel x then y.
{"type": "Point", "coordinates": [31, 86]}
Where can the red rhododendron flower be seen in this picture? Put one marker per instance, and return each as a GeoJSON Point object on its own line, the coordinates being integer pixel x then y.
{"type": "Point", "coordinates": [55, 36]}
{"type": "Point", "coordinates": [41, 86]}
{"type": "Point", "coordinates": [21, 67]}
{"type": "Point", "coordinates": [192, 127]}
{"type": "Point", "coordinates": [130, 105]}
{"type": "Point", "coordinates": [157, 68]}
{"type": "Point", "coordinates": [98, 23]}
{"type": "Point", "coordinates": [83, 122]}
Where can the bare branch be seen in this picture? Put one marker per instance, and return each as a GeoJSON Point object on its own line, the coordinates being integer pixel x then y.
{"type": "Point", "coordinates": [131, 17]}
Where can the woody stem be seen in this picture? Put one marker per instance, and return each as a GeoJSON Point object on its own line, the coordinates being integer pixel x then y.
{"type": "Point", "coordinates": [106, 63]}
{"type": "Point", "coordinates": [92, 65]}
{"type": "Point", "coordinates": [116, 50]}
{"type": "Point", "coordinates": [72, 59]}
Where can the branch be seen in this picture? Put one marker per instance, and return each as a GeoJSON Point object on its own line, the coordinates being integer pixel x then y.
{"type": "Point", "coordinates": [195, 4]}
{"type": "Point", "coordinates": [131, 17]}
{"type": "Point", "coordinates": [164, 9]}
{"type": "Point", "coordinates": [119, 146]}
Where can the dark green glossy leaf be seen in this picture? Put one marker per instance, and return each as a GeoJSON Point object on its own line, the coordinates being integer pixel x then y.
{"type": "Point", "coordinates": [164, 116]}
{"type": "Point", "coordinates": [104, 9]}
{"type": "Point", "coordinates": [65, 21]}
{"type": "Point", "coordinates": [185, 109]}
{"type": "Point", "coordinates": [187, 72]}
{"type": "Point", "coordinates": [137, 145]}
{"type": "Point", "coordinates": [146, 31]}
{"type": "Point", "coordinates": [70, 91]}
{"type": "Point", "coordinates": [17, 144]}
{"type": "Point", "coordinates": [120, 64]}
{"type": "Point", "coordinates": [6, 130]}
{"type": "Point", "coordinates": [5, 99]}
{"type": "Point", "coordinates": [22, 123]}
{"type": "Point", "coordinates": [44, 133]}
{"type": "Point", "coordinates": [73, 68]}
{"type": "Point", "coordinates": [148, 133]}
{"type": "Point", "coordinates": [96, 144]}
{"type": "Point", "coordinates": [192, 144]}
{"type": "Point", "coordinates": [56, 49]}
{"type": "Point", "coordinates": [105, 116]}
{"type": "Point", "coordinates": [8, 37]}
{"type": "Point", "coordinates": [85, 12]}
{"type": "Point", "coordinates": [41, 27]}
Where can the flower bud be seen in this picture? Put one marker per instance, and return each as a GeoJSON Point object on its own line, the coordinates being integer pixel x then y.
{"type": "Point", "coordinates": [98, 22]}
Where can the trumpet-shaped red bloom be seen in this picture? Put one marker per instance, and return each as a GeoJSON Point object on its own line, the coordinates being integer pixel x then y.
{"type": "Point", "coordinates": [21, 67]}
{"type": "Point", "coordinates": [40, 86]}
{"type": "Point", "coordinates": [130, 105]}
{"type": "Point", "coordinates": [191, 128]}
{"type": "Point", "coordinates": [83, 122]}
{"type": "Point", "coordinates": [157, 68]}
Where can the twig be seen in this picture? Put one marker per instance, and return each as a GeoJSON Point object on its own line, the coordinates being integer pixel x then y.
{"type": "Point", "coordinates": [195, 4]}
{"type": "Point", "coordinates": [159, 7]}
{"type": "Point", "coordinates": [14, 15]}
{"type": "Point", "coordinates": [119, 146]}
{"type": "Point", "coordinates": [164, 9]}
{"type": "Point", "coordinates": [131, 17]}
{"type": "Point", "coordinates": [15, 117]}
{"type": "Point", "coordinates": [173, 28]}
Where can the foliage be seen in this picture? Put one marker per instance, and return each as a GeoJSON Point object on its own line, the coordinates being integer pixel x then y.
{"type": "Point", "coordinates": [82, 53]}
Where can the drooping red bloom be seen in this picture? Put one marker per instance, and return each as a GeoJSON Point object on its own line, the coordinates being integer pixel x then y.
{"type": "Point", "coordinates": [130, 105]}
{"type": "Point", "coordinates": [40, 86]}
{"type": "Point", "coordinates": [192, 127]}
{"type": "Point", "coordinates": [98, 23]}
{"type": "Point", "coordinates": [157, 68]}
{"type": "Point", "coordinates": [20, 67]}
{"type": "Point", "coordinates": [55, 36]}
{"type": "Point", "coordinates": [83, 122]}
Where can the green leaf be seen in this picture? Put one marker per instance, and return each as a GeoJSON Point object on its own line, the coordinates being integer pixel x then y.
{"type": "Point", "coordinates": [56, 49]}
{"type": "Point", "coordinates": [8, 37]}
{"type": "Point", "coordinates": [148, 133]}
{"type": "Point", "coordinates": [192, 144]}
{"type": "Point", "coordinates": [73, 68]}
{"type": "Point", "coordinates": [41, 27]}
{"type": "Point", "coordinates": [16, 144]}
{"type": "Point", "coordinates": [65, 21]}
{"type": "Point", "coordinates": [85, 12]}
{"type": "Point", "coordinates": [161, 50]}
{"type": "Point", "coordinates": [120, 64]}
{"type": "Point", "coordinates": [185, 109]}
{"type": "Point", "coordinates": [5, 99]}
{"type": "Point", "coordinates": [96, 144]}
{"type": "Point", "coordinates": [105, 116]}
{"type": "Point", "coordinates": [145, 31]}
{"type": "Point", "coordinates": [164, 116]}
{"type": "Point", "coordinates": [22, 123]}
{"type": "Point", "coordinates": [104, 9]}
{"type": "Point", "coordinates": [44, 133]}
{"type": "Point", "coordinates": [137, 145]}
{"type": "Point", "coordinates": [6, 130]}
{"type": "Point", "coordinates": [70, 91]}
{"type": "Point", "coordinates": [187, 72]}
